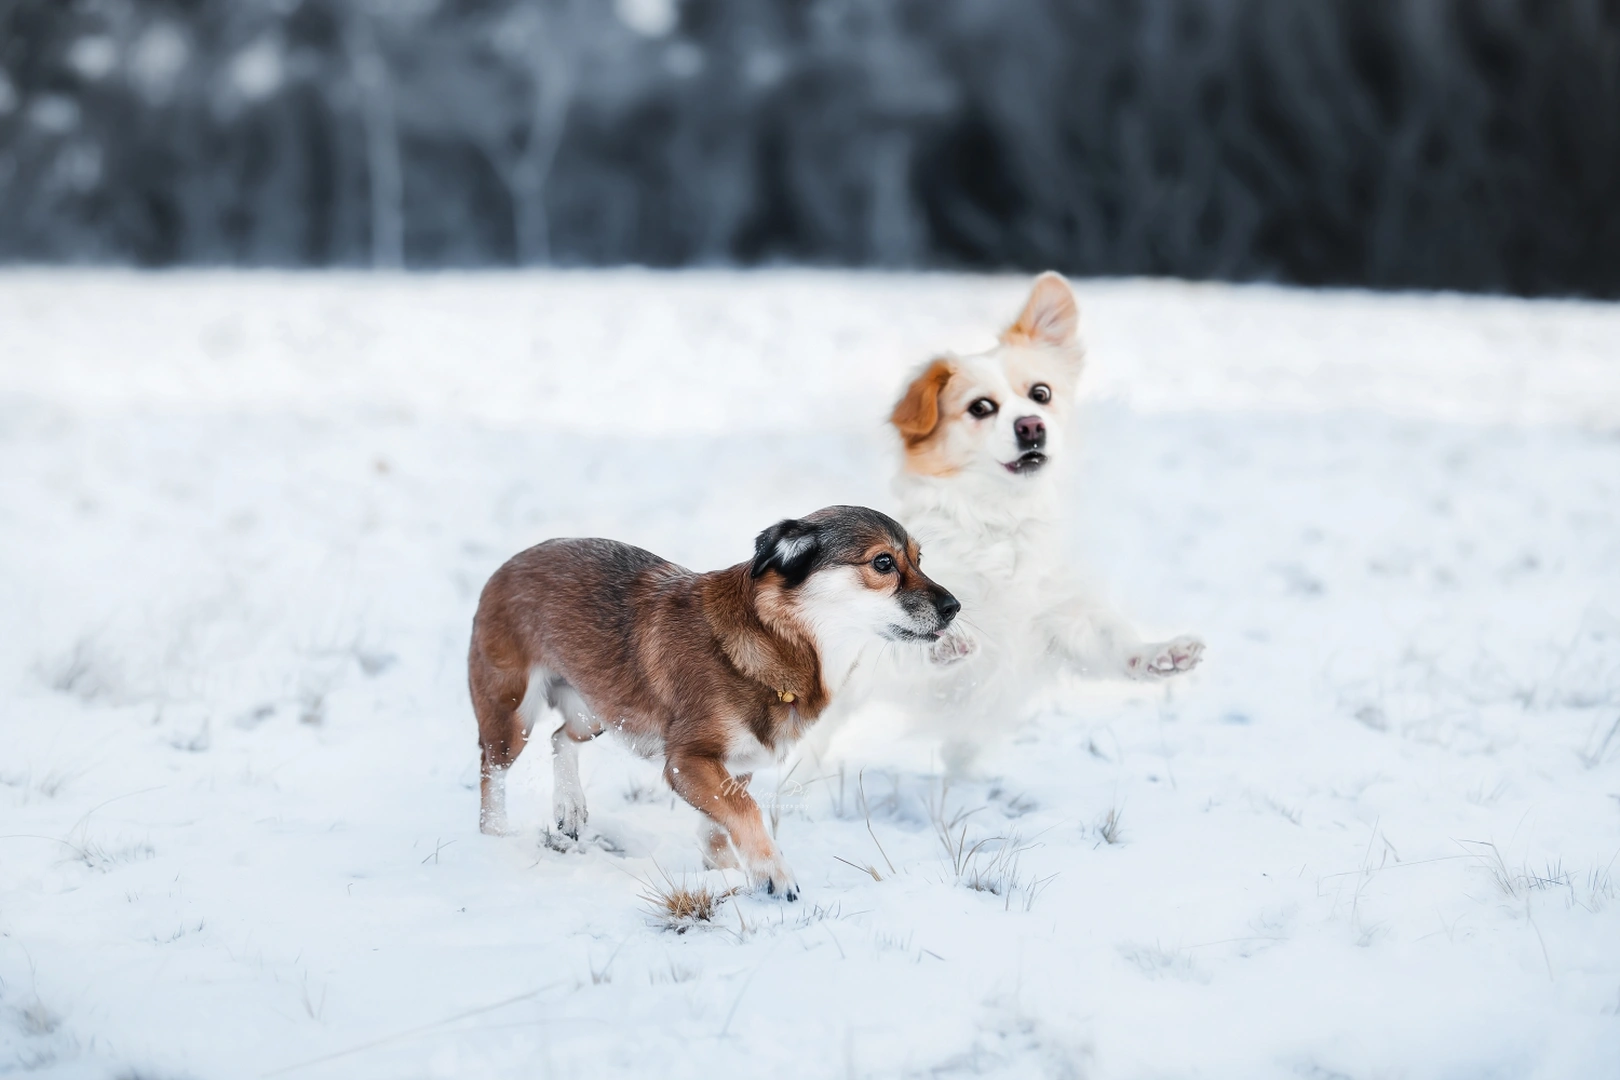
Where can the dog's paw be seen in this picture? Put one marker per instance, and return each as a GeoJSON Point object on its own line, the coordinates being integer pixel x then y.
{"type": "Point", "coordinates": [775, 878]}
{"type": "Point", "coordinates": [952, 647]}
{"type": "Point", "coordinates": [1165, 659]}
{"type": "Point", "coordinates": [568, 811]}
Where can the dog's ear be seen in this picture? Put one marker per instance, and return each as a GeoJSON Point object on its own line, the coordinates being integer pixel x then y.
{"type": "Point", "coordinates": [1050, 316]}
{"type": "Point", "coordinates": [916, 414]}
{"type": "Point", "coordinates": [789, 548]}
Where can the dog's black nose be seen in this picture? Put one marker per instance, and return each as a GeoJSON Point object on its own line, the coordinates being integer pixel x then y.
{"type": "Point", "coordinates": [947, 606]}
{"type": "Point", "coordinates": [1031, 432]}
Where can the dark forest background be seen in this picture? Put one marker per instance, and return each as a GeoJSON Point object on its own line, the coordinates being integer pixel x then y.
{"type": "Point", "coordinates": [1471, 144]}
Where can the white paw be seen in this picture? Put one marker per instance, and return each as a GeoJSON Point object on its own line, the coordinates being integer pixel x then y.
{"type": "Point", "coordinates": [492, 823]}
{"type": "Point", "coordinates": [952, 647]}
{"type": "Point", "coordinates": [774, 877]}
{"type": "Point", "coordinates": [1168, 658]}
{"type": "Point", "coordinates": [568, 810]}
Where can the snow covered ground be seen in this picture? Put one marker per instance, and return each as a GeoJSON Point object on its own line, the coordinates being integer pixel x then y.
{"type": "Point", "coordinates": [245, 518]}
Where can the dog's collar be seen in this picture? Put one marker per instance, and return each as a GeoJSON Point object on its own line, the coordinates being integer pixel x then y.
{"type": "Point", "coordinates": [786, 697]}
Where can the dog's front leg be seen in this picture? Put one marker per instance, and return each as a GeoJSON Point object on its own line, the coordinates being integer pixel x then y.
{"type": "Point", "coordinates": [1159, 660]}
{"type": "Point", "coordinates": [1096, 642]}
{"type": "Point", "coordinates": [704, 782]}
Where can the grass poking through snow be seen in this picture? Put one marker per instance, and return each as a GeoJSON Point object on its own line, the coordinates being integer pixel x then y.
{"type": "Point", "coordinates": [1108, 827]}
{"type": "Point", "coordinates": [679, 905]}
{"type": "Point", "coordinates": [1594, 890]}
{"type": "Point", "coordinates": [987, 864]}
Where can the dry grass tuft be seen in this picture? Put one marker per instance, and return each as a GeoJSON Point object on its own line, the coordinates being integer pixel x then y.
{"type": "Point", "coordinates": [1108, 827]}
{"type": "Point", "coordinates": [679, 906]}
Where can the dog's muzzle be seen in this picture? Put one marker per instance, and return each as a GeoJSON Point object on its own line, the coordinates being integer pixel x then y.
{"type": "Point", "coordinates": [944, 605]}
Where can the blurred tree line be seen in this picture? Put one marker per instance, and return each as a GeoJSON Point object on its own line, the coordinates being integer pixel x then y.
{"type": "Point", "coordinates": [1469, 144]}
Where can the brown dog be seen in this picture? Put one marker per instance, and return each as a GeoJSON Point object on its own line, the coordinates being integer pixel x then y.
{"type": "Point", "coordinates": [720, 671]}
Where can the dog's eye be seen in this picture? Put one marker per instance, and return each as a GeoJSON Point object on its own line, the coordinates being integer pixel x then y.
{"type": "Point", "coordinates": [884, 564]}
{"type": "Point", "coordinates": [1040, 393]}
{"type": "Point", "coordinates": [982, 408]}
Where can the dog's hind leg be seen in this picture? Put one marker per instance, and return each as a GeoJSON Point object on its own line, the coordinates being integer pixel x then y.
{"type": "Point", "coordinates": [580, 725]}
{"type": "Point", "coordinates": [497, 697]}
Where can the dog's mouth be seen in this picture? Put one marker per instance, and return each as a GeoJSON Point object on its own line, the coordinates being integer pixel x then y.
{"type": "Point", "coordinates": [903, 633]}
{"type": "Point", "coordinates": [1027, 464]}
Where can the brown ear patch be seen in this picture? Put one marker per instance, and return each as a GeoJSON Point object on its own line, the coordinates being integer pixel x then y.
{"type": "Point", "coordinates": [1050, 316]}
{"type": "Point", "coordinates": [916, 414]}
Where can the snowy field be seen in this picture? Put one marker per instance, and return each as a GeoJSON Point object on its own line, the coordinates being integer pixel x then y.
{"type": "Point", "coordinates": [245, 519]}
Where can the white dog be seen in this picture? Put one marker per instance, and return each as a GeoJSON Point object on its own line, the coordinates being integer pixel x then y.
{"type": "Point", "coordinates": [981, 437]}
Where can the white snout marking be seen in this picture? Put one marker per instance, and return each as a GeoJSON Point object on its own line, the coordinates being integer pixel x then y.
{"type": "Point", "coordinates": [847, 618]}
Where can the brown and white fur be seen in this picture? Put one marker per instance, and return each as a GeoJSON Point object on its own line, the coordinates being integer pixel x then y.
{"type": "Point", "coordinates": [720, 672]}
{"type": "Point", "coordinates": [982, 436]}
